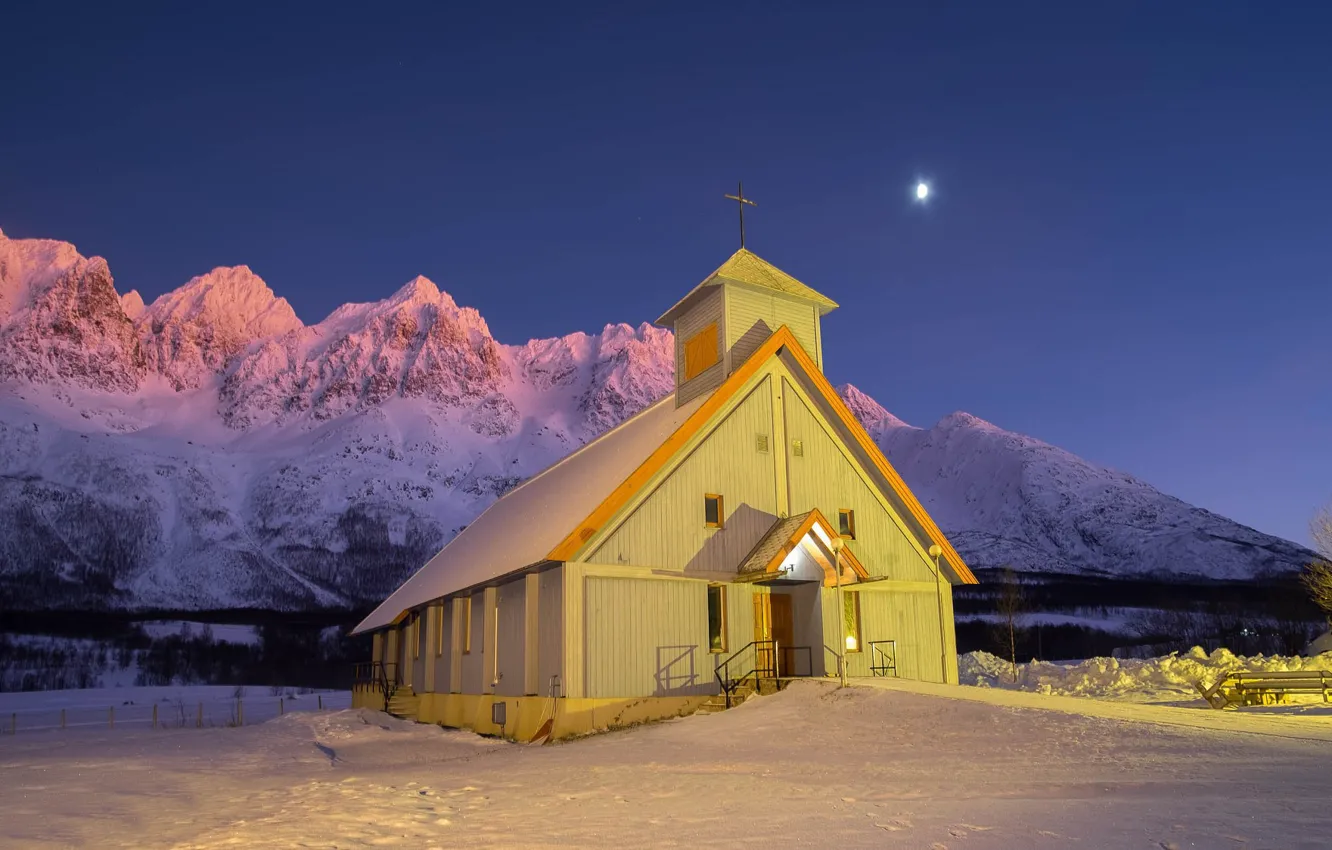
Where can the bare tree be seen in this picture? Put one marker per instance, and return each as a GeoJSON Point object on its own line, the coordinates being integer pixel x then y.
{"type": "Point", "coordinates": [1011, 609]}
{"type": "Point", "coordinates": [1318, 575]}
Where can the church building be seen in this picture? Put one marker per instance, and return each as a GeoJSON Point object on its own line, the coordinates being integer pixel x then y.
{"type": "Point", "coordinates": [744, 529]}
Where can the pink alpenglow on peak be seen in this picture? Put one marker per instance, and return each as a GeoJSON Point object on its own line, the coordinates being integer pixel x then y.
{"type": "Point", "coordinates": [870, 413]}
{"type": "Point", "coordinates": [191, 333]}
{"type": "Point", "coordinates": [132, 303]}
{"type": "Point", "coordinates": [315, 465]}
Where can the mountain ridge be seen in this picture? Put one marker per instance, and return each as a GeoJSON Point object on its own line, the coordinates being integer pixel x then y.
{"type": "Point", "coordinates": [210, 449]}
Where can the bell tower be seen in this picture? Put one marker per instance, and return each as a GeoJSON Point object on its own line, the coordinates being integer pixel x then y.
{"type": "Point", "coordinates": [729, 315]}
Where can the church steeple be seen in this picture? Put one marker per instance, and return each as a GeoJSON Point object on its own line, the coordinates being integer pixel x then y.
{"type": "Point", "coordinates": [727, 316]}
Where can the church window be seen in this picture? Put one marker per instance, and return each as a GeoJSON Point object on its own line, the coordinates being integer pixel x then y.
{"type": "Point", "coordinates": [700, 352]}
{"type": "Point", "coordinates": [717, 618]}
{"type": "Point", "coordinates": [467, 625]}
{"type": "Point", "coordinates": [846, 523]}
{"type": "Point", "coordinates": [713, 513]}
{"type": "Point", "coordinates": [439, 630]}
{"type": "Point", "coordinates": [851, 620]}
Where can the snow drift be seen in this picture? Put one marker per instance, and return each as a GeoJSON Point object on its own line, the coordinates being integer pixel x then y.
{"type": "Point", "coordinates": [1167, 678]}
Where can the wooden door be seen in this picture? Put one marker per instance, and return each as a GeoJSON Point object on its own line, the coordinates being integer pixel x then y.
{"type": "Point", "coordinates": [763, 660]}
{"type": "Point", "coordinates": [783, 631]}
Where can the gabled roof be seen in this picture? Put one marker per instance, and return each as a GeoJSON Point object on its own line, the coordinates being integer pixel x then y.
{"type": "Point", "coordinates": [781, 340]}
{"type": "Point", "coordinates": [746, 267]}
{"type": "Point", "coordinates": [523, 525]}
{"type": "Point", "coordinates": [554, 515]}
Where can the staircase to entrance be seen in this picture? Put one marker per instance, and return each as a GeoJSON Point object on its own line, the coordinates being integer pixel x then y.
{"type": "Point", "coordinates": [760, 667]}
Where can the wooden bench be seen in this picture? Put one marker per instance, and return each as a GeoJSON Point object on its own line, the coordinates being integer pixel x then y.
{"type": "Point", "coordinates": [1258, 688]}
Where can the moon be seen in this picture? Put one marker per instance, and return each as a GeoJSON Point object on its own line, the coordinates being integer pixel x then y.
{"type": "Point", "coordinates": [922, 191]}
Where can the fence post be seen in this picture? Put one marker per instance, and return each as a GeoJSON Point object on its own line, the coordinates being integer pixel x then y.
{"type": "Point", "coordinates": [282, 708]}
{"type": "Point", "coordinates": [111, 717]}
{"type": "Point", "coordinates": [62, 718]}
{"type": "Point", "coordinates": [198, 723]}
{"type": "Point", "coordinates": [321, 702]}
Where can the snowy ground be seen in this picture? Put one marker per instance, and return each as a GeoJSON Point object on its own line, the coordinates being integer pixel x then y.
{"type": "Point", "coordinates": [1168, 679]}
{"type": "Point", "coordinates": [889, 766]}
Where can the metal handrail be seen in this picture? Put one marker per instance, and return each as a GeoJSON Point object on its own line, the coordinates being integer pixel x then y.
{"type": "Point", "coordinates": [837, 659]}
{"type": "Point", "coordinates": [761, 648]}
{"type": "Point", "coordinates": [883, 662]}
{"type": "Point", "coordinates": [787, 668]}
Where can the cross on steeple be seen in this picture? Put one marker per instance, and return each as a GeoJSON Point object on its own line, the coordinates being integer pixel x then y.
{"type": "Point", "coordinates": [741, 200]}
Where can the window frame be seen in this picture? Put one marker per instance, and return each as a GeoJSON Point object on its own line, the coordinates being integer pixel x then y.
{"type": "Point", "coordinates": [854, 599]}
{"type": "Point", "coordinates": [721, 510]}
{"type": "Point", "coordinates": [846, 517]}
{"type": "Point", "coordinates": [723, 619]}
{"type": "Point", "coordinates": [439, 630]}
{"type": "Point", "coordinates": [467, 625]}
{"type": "Point", "coordinates": [701, 352]}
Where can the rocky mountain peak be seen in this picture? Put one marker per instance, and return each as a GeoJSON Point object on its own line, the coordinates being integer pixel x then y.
{"type": "Point", "coordinates": [870, 413]}
{"type": "Point", "coordinates": [132, 303]}
{"type": "Point", "coordinates": [70, 327]}
{"type": "Point", "coordinates": [192, 332]}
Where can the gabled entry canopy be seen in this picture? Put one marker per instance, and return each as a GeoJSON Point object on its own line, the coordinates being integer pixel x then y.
{"type": "Point", "coordinates": [797, 541]}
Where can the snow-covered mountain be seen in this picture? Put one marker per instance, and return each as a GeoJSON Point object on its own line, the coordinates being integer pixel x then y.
{"type": "Point", "coordinates": [210, 450]}
{"type": "Point", "coordinates": [1008, 499]}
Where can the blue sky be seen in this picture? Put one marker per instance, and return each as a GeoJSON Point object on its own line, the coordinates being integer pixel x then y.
{"type": "Point", "coordinates": [1127, 253]}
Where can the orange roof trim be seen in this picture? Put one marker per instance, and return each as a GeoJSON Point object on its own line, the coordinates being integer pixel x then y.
{"type": "Point", "coordinates": [899, 486]}
{"type": "Point", "coordinates": [781, 338]}
{"type": "Point", "coordinates": [569, 547]}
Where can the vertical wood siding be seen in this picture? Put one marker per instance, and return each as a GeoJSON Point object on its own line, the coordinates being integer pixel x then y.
{"type": "Point", "coordinates": [573, 667]}
{"type": "Point", "coordinates": [473, 664]}
{"type": "Point", "coordinates": [511, 617]}
{"type": "Point", "coordinates": [456, 609]}
{"type": "Point", "coordinates": [443, 661]}
{"type": "Point", "coordinates": [550, 628]}
{"type": "Point", "coordinates": [909, 617]}
{"type": "Point", "coordinates": [706, 312]}
{"type": "Point", "coordinates": [647, 637]}
{"type": "Point", "coordinates": [431, 642]}
{"type": "Point", "coordinates": [667, 530]}
{"type": "Point", "coordinates": [824, 478]}
{"type": "Point", "coordinates": [752, 315]}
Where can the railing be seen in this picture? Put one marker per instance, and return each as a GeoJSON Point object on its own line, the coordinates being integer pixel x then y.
{"type": "Point", "coordinates": [836, 666]}
{"type": "Point", "coordinates": [764, 665]}
{"type": "Point", "coordinates": [770, 661]}
{"type": "Point", "coordinates": [788, 657]}
{"type": "Point", "coordinates": [186, 707]}
{"type": "Point", "coordinates": [380, 676]}
{"type": "Point", "coordinates": [883, 658]}
{"type": "Point", "coordinates": [376, 674]}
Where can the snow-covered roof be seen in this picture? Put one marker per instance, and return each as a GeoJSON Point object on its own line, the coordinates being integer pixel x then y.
{"type": "Point", "coordinates": [523, 526]}
{"type": "Point", "coordinates": [749, 268]}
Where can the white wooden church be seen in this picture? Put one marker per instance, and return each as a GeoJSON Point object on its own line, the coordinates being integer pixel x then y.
{"type": "Point", "coordinates": [744, 527]}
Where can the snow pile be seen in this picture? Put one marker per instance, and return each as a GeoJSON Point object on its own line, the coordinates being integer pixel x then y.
{"type": "Point", "coordinates": [1169, 677]}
